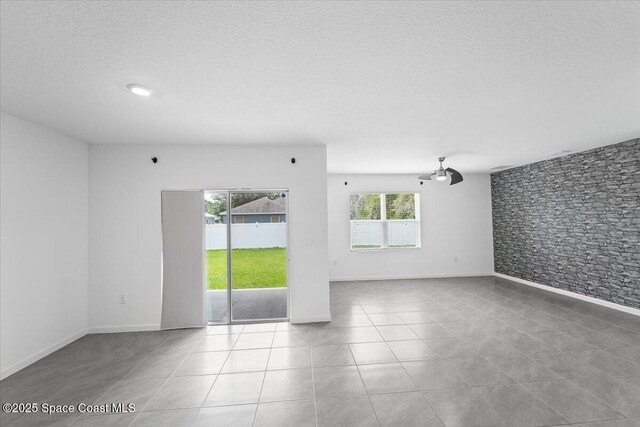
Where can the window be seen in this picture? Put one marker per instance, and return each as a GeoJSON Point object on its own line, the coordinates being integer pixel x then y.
{"type": "Point", "coordinates": [239, 219]}
{"type": "Point", "coordinates": [275, 218]}
{"type": "Point", "coordinates": [384, 220]}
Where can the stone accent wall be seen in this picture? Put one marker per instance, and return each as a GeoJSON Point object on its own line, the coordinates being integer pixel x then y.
{"type": "Point", "coordinates": [573, 222]}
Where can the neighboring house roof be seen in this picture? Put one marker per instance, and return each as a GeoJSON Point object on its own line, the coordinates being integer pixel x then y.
{"type": "Point", "coordinates": [260, 206]}
{"type": "Point", "coordinates": [208, 215]}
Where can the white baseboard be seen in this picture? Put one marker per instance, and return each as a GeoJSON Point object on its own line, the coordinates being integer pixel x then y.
{"type": "Point", "coordinates": [581, 297]}
{"type": "Point", "coordinates": [310, 319]}
{"type": "Point", "coordinates": [123, 328]}
{"type": "Point", "coordinates": [399, 277]}
{"type": "Point", "coordinates": [39, 355]}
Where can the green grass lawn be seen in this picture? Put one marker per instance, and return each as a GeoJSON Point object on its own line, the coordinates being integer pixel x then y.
{"type": "Point", "coordinates": [251, 268]}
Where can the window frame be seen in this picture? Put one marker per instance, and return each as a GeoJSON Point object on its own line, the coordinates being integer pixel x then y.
{"type": "Point", "coordinates": [385, 222]}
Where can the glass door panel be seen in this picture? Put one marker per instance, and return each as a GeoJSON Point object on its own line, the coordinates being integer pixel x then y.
{"type": "Point", "coordinates": [216, 257]}
{"type": "Point", "coordinates": [259, 255]}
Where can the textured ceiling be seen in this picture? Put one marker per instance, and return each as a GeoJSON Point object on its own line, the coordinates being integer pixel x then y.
{"type": "Point", "coordinates": [387, 86]}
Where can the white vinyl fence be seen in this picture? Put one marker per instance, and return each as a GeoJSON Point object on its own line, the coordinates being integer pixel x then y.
{"type": "Point", "coordinates": [371, 233]}
{"type": "Point", "coordinates": [246, 236]}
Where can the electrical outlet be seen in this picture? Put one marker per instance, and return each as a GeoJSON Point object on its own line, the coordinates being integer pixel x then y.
{"type": "Point", "coordinates": [455, 258]}
{"type": "Point", "coordinates": [123, 299]}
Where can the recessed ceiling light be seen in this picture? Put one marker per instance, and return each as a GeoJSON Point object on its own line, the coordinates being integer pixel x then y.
{"type": "Point", "coordinates": [139, 89]}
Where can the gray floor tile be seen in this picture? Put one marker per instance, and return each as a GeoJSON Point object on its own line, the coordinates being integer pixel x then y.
{"type": "Point", "coordinates": [450, 347]}
{"type": "Point", "coordinates": [409, 307]}
{"type": "Point", "coordinates": [616, 423]}
{"type": "Point", "coordinates": [109, 370]}
{"type": "Point", "coordinates": [597, 339]}
{"type": "Point", "coordinates": [434, 374]}
{"type": "Point", "coordinates": [522, 368]}
{"type": "Point", "coordinates": [246, 361]}
{"type": "Point", "coordinates": [301, 413]}
{"type": "Point", "coordinates": [81, 393]}
{"type": "Point", "coordinates": [260, 327]}
{"type": "Point", "coordinates": [217, 342]}
{"type": "Point", "coordinates": [396, 333]}
{"type": "Point", "coordinates": [458, 329]}
{"type": "Point", "coordinates": [632, 354]}
{"type": "Point", "coordinates": [386, 378]}
{"type": "Point", "coordinates": [112, 420]}
{"type": "Point", "coordinates": [331, 355]}
{"type": "Point", "coordinates": [287, 384]}
{"type": "Point", "coordinates": [581, 360]}
{"type": "Point", "coordinates": [524, 343]}
{"type": "Point", "coordinates": [235, 389]}
{"type": "Point", "coordinates": [327, 336]}
{"type": "Point", "coordinates": [293, 338]}
{"type": "Point", "coordinates": [345, 412]}
{"type": "Point", "coordinates": [610, 363]}
{"type": "Point", "coordinates": [376, 308]}
{"type": "Point", "coordinates": [174, 418]}
{"type": "Point", "coordinates": [561, 341]}
{"type": "Point", "coordinates": [41, 419]}
{"type": "Point", "coordinates": [337, 381]}
{"type": "Point", "coordinates": [157, 366]}
{"type": "Point", "coordinates": [477, 371]}
{"type": "Point", "coordinates": [225, 329]}
{"type": "Point", "coordinates": [206, 363]}
{"type": "Point", "coordinates": [446, 316]}
{"type": "Point", "coordinates": [616, 392]}
{"type": "Point", "coordinates": [254, 340]}
{"type": "Point", "coordinates": [226, 416]}
{"type": "Point", "coordinates": [486, 345]}
{"type": "Point", "coordinates": [622, 334]}
{"type": "Point", "coordinates": [138, 392]}
{"type": "Point", "coordinates": [517, 406]}
{"type": "Point", "coordinates": [573, 403]}
{"type": "Point", "coordinates": [360, 335]}
{"type": "Point", "coordinates": [351, 320]}
{"type": "Point", "coordinates": [381, 319]}
{"type": "Point", "coordinates": [430, 330]}
{"type": "Point", "coordinates": [286, 326]}
{"type": "Point", "coordinates": [567, 365]}
{"type": "Point", "coordinates": [289, 358]}
{"type": "Point", "coordinates": [377, 352]}
{"type": "Point", "coordinates": [411, 350]}
{"type": "Point", "coordinates": [462, 408]}
{"type": "Point", "coordinates": [182, 393]}
{"type": "Point", "coordinates": [411, 317]}
{"type": "Point", "coordinates": [404, 409]}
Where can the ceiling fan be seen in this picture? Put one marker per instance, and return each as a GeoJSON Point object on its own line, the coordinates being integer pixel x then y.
{"type": "Point", "coordinates": [441, 174]}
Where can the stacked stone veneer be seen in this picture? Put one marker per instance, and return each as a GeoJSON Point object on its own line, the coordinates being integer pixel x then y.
{"type": "Point", "coordinates": [573, 222]}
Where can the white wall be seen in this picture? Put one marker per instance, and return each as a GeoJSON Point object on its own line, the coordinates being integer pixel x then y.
{"type": "Point", "coordinates": [44, 279]}
{"type": "Point", "coordinates": [125, 229]}
{"type": "Point", "coordinates": [456, 222]}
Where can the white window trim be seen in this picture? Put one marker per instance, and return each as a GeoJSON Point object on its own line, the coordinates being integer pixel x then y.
{"type": "Point", "coordinates": [384, 222]}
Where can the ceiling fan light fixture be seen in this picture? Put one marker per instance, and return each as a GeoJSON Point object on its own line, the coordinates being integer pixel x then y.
{"type": "Point", "coordinates": [441, 174]}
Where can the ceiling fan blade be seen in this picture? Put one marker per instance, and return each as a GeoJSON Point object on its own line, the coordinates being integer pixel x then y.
{"type": "Point", "coordinates": [425, 177]}
{"type": "Point", "coordinates": [456, 176]}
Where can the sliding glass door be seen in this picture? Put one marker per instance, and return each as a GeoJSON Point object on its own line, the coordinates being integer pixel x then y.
{"type": "Point", "coordinates": [259, 256]}
{"type": "Point", "coordinates": [248, 283]}
{"type": "Point", "coordinates": [216, 257]}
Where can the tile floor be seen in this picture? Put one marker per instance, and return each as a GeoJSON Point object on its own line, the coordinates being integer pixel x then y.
{"type": "Point", "coordinates": [453, 352]}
